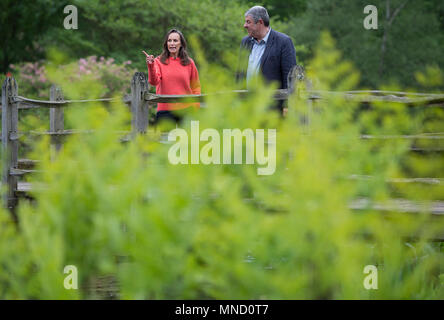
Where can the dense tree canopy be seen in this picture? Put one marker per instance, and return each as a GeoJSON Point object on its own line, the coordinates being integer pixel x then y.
{"type": "Point", "coordinates": [282, 10]}
{"type": "Point", "coordinates": [123, 28]}
{"type": "Point", "coordinates": [22, 25]}
{"type": "Point", "coordinates": [409, 38]}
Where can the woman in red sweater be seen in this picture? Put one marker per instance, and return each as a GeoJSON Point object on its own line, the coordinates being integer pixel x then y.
{"type": "Point", "coordinates": [173, 72]}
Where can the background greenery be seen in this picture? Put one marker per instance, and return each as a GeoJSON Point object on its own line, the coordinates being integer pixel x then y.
{"type": "Point", "coordinates": [121, 29]}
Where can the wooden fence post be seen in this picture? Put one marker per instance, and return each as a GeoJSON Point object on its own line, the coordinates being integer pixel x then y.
{"type": "Point", "coordinates": [139, 107]}
{"type": "Point", "coordinates": [295, 76]}
{"type": "Point", "coordinates": [9, 142]}
{"type": "Point", "coordinates": [56, 117]}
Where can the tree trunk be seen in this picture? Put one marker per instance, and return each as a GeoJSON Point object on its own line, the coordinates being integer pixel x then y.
{"type": "Point", "coordinates": [388, 23]}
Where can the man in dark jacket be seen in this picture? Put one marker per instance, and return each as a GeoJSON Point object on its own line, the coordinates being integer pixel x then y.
{"type": "Point", "coordinates": [270, 52]}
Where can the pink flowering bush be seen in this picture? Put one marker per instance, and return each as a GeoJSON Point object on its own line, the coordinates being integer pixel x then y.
{"type": "Point", "coordinates": [31, 78]}
{"type": "Point", "coordinates": [115, 78]}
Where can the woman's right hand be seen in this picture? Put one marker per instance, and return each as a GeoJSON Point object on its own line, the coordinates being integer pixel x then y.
{"type": "Point", "coordinates": [149, 58]}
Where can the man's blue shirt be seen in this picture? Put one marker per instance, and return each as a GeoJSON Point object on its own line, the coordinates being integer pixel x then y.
{"type": "Point", "coordinates": [257, 51]}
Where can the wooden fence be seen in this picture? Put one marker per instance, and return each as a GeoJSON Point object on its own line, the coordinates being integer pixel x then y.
{"type": "Point", "coordinates": [12, 102]}
{"type": "Point", "coordinates": [140, 100]}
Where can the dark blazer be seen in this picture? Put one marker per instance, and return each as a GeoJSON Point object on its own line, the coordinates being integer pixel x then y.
{"type": "Point", "coordinates": [278, 59]}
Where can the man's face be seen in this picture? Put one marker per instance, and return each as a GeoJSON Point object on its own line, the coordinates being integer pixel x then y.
{"type": "Point", "coordinates": [251, 27]}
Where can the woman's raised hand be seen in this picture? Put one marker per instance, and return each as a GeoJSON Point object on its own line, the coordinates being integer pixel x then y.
{"type": "Point", "coordinates": [149, 58]}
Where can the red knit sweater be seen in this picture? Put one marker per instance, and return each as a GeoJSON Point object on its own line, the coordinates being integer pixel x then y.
{"type": "Point", "coordinates": [174, 78]}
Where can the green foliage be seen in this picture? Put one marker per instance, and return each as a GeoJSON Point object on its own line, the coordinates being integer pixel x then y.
{"type": "Point", "coordinates": [199, 231]}
{"type": "Point", "coordinates": [413, 40]}
{"type": "Point", "coordinates": [23, 24]}
{"type": "Point", "coordinates": [431, 78]}
{"type": "Point", "coordinates": [122, 29]}
{"type": "Point", "coordinates": [281, 10]}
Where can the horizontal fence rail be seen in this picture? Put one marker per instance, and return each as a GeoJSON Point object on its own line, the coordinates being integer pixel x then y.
{"type": "Point", "coordinates": [64, 103]}
{"type": "Point", "coordinates": [384, 96]}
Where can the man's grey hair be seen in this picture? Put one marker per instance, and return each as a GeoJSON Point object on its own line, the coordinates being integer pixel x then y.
{"type": "Point", "coordinates": [258, 12]}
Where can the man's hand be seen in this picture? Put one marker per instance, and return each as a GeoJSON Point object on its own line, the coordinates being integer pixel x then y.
{"type": "Point", "coordinates": [149, 58]}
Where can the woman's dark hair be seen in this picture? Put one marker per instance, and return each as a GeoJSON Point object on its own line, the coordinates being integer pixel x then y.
{"type": "Point", "coordinates": [183, 54]}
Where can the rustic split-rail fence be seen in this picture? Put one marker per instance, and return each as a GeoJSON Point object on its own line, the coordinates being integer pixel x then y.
{"type": "Point", "coordinates": [141, 100]}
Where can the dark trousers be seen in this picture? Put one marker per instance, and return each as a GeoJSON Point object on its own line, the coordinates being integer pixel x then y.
{"type": "Point", "coordinates": [168, 119]}
{"type": "Point", "coordinates": [166, 115]}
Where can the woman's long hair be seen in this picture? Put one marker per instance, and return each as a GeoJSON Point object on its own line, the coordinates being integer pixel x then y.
{"type": "Point", "coordinates": [183, 54]}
